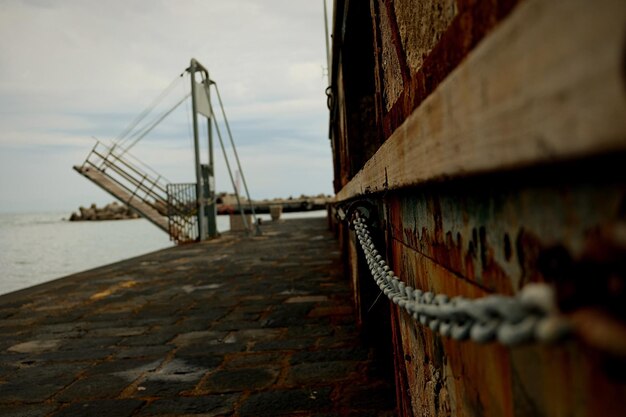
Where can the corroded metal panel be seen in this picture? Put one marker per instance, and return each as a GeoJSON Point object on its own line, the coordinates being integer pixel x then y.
{"type": "Point", "coordinates": [565, 224]}
{"type": "Point", "coordinates": [452, 378]}
{"type": "Point", "coordinates": [421, 42]}
{"type": "Point", "coordinates": [393, 84]}
{"type": "Point", "coordinates": [354, 276]}
{"type": "Point", "coordinates": [470, 239]}
{"type": "Point", "coordinates": [495, 238]}
{"type": "Point", "coordinates": [420, 26]}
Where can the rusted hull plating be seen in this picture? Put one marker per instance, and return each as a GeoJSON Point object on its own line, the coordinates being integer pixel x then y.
{"type": "Point", "coordinates": [472, 243]}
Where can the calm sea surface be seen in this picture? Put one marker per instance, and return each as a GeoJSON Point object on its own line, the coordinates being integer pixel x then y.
{"type": "Point", "coordinates": [36, 248]}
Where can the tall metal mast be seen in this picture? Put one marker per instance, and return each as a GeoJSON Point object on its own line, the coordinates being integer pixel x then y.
{"type": "Point", "coordinates": [328, 58]}
{"type": "Point", "coordinates": [204, 173]}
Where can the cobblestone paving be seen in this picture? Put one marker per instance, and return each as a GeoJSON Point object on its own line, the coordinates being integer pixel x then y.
{"type": "Point", "coordinates": [257, 326]}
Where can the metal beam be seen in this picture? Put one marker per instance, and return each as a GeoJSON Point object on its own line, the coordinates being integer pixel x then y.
{"type": "Point", "coordinates": [202, 229]}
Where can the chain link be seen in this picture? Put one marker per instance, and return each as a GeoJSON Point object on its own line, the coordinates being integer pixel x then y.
{"type": "Point", "coordinates": [529, 316]}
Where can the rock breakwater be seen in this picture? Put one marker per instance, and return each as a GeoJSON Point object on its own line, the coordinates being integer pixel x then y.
{"type": "Point", "coordinates": [112, 211]}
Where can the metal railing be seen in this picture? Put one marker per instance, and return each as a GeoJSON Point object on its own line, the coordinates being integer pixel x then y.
{"type": "Point", "coordinates": [182, 212]}
{"type": "Point", "coordinates": [149, 188]}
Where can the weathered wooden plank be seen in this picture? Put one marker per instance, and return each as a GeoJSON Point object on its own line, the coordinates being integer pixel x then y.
{"type": "Point", "coordinates": [546, 85]}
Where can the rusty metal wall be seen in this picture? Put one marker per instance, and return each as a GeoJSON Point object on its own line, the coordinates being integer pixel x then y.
{"type": "Point", "coordinates": [388, 56]}
{"type": "Point", "coordinates": [494, 237]}
{"type": "Point", "coordinates": [419, 42]}
{"type": "Point", "coordinates": [564, 224]}
{"type": "Point", "coordinates": [490, 235]}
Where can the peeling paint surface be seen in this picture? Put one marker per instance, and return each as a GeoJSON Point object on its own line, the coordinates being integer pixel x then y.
{"type": "Point", "coordinates": [392, 73]}
{"type": "Point", "coordinates": [421, 24]}
{"type": "Point", "coordinates": [561, 221]}
{"type": "Point", "coordinates": [494, 238]}
{"type": "Point", "coordinates": [472, 240]}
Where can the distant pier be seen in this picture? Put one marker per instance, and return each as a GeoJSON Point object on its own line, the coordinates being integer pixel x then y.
{"type": "Point", "coordinates": [236, 326]}
{"type": "Point", "coordinates": [228, 204]}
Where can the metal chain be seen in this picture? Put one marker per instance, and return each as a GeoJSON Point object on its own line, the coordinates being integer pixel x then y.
{"type": "Point", "coordinates": [529, 316]}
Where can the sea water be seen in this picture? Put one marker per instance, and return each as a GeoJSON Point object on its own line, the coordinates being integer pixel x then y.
{"type": "Point", "coordinates": [35, 248]}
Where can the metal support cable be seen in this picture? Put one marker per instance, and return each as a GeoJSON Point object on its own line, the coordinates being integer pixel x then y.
{"type": "Point", "coordinates": [125, 133]}
{"type": "Point", "coordinates": [149, 128]}
{"type": "Point", "coordinates": [138, 161]}
{"type": "Point", "coordinates": [529, 316]}
{"type": "Point", "coordinates": [230, 173]}
{"type": "Point", "coordinates": [232, 143]}
{"type": "Point", "coordinates": [328, 57]}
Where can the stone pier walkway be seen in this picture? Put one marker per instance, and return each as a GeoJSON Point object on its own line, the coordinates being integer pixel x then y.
{"type": "Point", "coordinates": [257, 326]}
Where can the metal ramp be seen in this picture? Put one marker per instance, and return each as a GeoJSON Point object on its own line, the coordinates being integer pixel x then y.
{"type": "Point", "coordinates": [114, 171]}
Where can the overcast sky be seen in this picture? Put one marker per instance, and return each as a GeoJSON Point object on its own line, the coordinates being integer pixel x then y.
{"type": "Point", "coordinates": [70, 70]}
